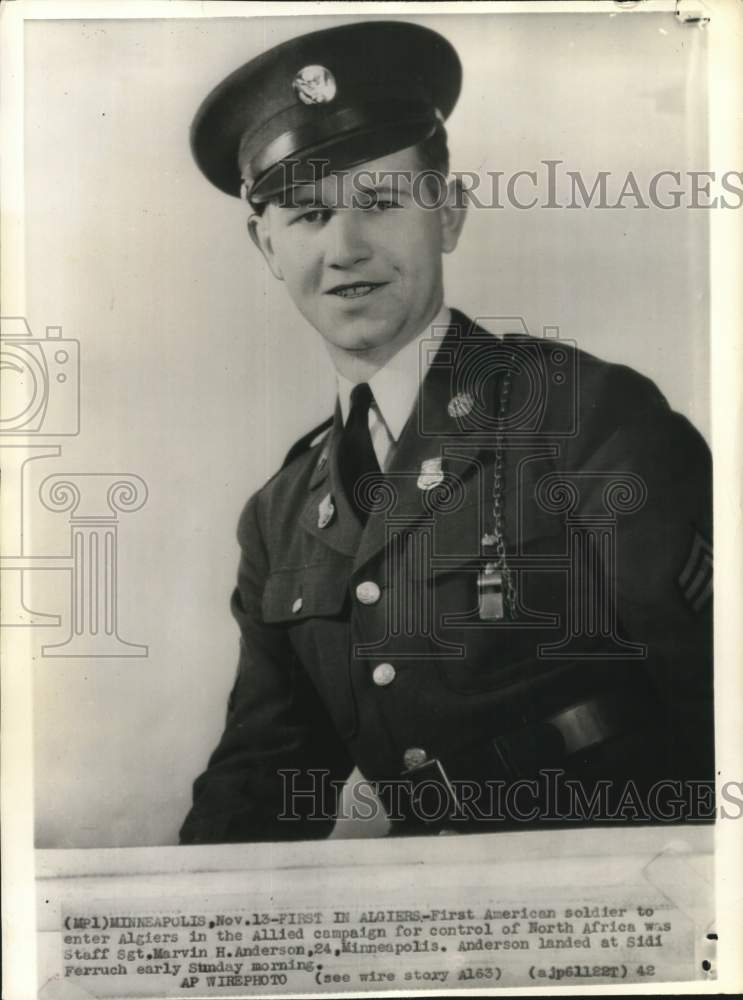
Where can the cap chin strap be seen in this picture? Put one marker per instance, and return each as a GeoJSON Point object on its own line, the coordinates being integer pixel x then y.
{"type": "Point", "coordinates": [343, 124]}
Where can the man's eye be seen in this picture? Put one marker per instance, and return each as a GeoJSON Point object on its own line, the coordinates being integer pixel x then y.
{"type": "Point", "coordinates": [315, 216]}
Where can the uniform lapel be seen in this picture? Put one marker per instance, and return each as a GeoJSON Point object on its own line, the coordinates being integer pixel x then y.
{"type": "Point", "coordinates": [434, 431]}
{"type": "Point", "coordinates": [464, 444]}
{"type": "Point", "coordinates": [343, 531]}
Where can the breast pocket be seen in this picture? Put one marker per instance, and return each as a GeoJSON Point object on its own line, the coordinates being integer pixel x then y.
{"type": "Point", "coordinates": [311, 603]}
{"type": "Point", "coordinates": [483, 653]}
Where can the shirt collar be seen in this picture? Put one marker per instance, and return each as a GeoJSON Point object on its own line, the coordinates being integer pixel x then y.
{"type": "Point", "coordinates": [395, 386]}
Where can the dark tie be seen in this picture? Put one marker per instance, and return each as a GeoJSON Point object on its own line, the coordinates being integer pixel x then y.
{"type": "Point", "coordinates": [356, 456]}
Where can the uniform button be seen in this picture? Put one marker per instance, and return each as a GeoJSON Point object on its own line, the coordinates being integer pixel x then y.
{"type": "Point", "coordinates": [297, 606]}
{"type": "Point", "coordinates": [368, 592]}
{"type": "Point", "coordinates": [383, 674]}
{"type": "Point", "coordinates": [414, 757]}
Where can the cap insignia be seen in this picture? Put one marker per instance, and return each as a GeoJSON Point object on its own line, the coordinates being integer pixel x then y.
{"type": "Point", "coordinates": [314, 85]}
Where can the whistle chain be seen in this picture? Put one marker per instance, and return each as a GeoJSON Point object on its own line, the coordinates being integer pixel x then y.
{"type": "Point", "coordinates": [496, 569]}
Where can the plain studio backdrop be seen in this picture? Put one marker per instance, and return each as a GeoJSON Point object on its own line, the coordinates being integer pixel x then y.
{"type": "Point", "coordinates": [197, 373]}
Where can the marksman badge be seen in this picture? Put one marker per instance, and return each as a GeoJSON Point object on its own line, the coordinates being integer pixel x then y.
{"type": "Point", "coordinates": [460, 405]}
{"type": "Point", "coordinates": [314, 85]}
{"type": "Point", "coordinates": [431, 474]}
{"type": "Point", "coordinates": [325, 511]}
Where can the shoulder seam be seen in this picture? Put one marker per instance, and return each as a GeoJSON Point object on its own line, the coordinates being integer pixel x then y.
{"type": "Point", "coordinates": [304, 443]}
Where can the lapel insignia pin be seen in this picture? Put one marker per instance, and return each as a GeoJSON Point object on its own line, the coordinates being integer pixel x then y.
{"type": "Point", "coordinates": [322, 461]}
{"type": "Point", "coordinates": [431, 474]}
{"type": "Point", "coordinates": [325, 511]}
{"type": "Point", "coordinates": [460, 405]}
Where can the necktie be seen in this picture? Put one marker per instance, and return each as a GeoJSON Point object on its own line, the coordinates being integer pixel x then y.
{"type": "Point", "coordinates": [356, 456]}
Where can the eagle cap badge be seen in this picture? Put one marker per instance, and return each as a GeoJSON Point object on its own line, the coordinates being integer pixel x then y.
{"type": "Point", "coordinates": [315, 85]}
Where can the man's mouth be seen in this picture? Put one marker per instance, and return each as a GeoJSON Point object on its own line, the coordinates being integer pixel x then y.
{"type": "Point", "coordinates": [355, 289]}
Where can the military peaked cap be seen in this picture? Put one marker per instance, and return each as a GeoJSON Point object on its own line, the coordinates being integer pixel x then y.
{"type": "Point", "coordinates": [337, 97]}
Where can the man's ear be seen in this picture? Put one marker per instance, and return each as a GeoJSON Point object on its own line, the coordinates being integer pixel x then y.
{"type": "Point", "coordinates": [453, 213]}
{"type": "Point", "coordinates": [261, 237]}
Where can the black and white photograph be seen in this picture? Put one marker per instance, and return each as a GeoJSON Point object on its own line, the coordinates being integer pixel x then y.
{"type": "Point", "coordinates": [369, 420]}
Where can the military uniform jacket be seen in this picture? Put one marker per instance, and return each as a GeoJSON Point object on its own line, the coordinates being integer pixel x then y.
{"type": "Point", "coordinates": [370, 646]}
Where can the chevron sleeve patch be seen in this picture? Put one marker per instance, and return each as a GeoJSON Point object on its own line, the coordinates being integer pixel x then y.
{"type": "Point", "coordinates": [695, 579]}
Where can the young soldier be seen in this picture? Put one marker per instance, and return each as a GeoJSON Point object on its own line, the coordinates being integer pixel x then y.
{"type": "Point", "coordinates": [489, 568]}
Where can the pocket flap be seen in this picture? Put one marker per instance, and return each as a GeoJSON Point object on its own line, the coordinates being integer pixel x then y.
{"type": "Point", "coordinates": [305, 592]}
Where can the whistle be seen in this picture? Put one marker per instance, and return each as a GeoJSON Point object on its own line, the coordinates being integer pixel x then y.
{"type": "Point", "coordinates": [490, 592]}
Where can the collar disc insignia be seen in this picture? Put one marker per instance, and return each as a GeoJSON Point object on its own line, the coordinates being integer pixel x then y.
{"type": "Point", "coordinates": [460, 405]}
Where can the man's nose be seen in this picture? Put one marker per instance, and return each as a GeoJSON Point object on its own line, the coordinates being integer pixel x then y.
{"type": "Point", "coordinates": [347, 242]}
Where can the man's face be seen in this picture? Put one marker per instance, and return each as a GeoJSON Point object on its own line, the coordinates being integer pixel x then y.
{"type": "Point", "coordinates": [367, 274]}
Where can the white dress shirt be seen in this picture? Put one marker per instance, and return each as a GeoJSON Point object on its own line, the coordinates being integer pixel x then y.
{"type": "Point", "coordinates": [395, 388]}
